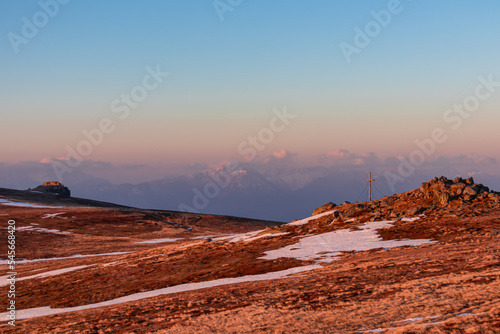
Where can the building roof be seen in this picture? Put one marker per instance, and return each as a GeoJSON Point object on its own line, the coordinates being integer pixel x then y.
{"type": "Point", "coordinates": [52, 184]}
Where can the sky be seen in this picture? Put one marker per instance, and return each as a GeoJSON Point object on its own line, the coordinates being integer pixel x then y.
{"type": "Point", "coordinates": [176, 84]}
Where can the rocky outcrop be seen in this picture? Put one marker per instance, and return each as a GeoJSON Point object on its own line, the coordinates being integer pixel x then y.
{"type": "Point", "coordinates": [442, 191]}
{"type": "Point", "coordinates": [54, 188]}
{"type": "Point", "coordinates": [327, 207]}
{"type": "Point", "coordinates": [438, 197]}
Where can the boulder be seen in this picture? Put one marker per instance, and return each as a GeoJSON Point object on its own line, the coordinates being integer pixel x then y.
{"type": "Point", "coordinates": [457, 189]}
{"type": "Point", "coordinates": [443, 179]}
{"type": "Point", "coordinates": [468, 198]}
{"type": "Point", "coordinates": [443, 198]}
{"type": "Point", "coordinates": [471, 191]}
{"type": "Point", "coordinates": [416, 210]}
{"type": "Point", "coordinates": [324, 208]}
{"type": "Point", "coordinates": [495, 197]}
{"type": "Point", "coordinates": [425, 186]}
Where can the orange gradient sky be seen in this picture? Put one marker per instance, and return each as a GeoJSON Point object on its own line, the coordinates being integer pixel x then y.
{"type": "Point", "coordinates": [225, 78]}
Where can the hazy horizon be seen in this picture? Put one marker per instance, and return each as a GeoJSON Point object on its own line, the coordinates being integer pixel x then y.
{"type": "Point", "coordinates": [134, 92]}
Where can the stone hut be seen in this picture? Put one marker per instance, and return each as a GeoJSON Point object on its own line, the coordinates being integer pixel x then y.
{"type": "Point", "coordinates": [54, 188]}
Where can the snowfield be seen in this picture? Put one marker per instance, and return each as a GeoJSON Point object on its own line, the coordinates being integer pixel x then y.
{"type": "Point", "coordinates": [326, 247]}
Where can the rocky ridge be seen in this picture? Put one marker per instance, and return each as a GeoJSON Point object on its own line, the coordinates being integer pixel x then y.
{"type": "Point", "coordinates": [438, 196]}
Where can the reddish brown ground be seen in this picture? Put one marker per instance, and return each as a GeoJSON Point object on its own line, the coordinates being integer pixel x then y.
{"type": "Point", "coordinates": [452, 284]}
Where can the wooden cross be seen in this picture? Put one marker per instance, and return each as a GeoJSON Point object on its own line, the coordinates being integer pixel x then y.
{"type": "Point", "coordinates": [370, 180]}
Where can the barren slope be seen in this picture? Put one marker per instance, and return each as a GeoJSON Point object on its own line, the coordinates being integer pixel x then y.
{"type": "Point", "coordinates": [366, 280]}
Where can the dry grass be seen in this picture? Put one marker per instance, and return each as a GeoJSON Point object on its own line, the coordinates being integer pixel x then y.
{"type": "Point", "coordinates": [452, 284]}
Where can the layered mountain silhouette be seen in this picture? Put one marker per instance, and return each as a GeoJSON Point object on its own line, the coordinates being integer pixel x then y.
{"type": "Point", "coordinates": [283, 194]}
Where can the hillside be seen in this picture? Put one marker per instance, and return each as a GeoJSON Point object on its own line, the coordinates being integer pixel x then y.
{"type": "Point", "coordinates": [422, 261]}
{"type": "Point", "coordinates": [35, 197]}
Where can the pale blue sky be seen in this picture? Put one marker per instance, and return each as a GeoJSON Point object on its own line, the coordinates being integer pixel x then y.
{"type": "Point", "coordinates": [227, 76]}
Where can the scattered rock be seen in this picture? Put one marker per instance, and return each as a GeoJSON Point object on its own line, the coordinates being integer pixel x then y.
{"type": "Point", "coordinates": [443, 191]}
{"type": "Point", "coordinates": [437, 198]}
{"type": "Point", "coordinates": [414, 211]}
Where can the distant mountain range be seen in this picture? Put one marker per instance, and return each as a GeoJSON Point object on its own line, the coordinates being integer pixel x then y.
{"type": "Point", "coordinates": [283, 194]}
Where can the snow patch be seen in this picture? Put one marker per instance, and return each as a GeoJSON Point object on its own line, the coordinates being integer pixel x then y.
{"type": "Point", "coordinates": [227, 237]}
{"type": "Point", "coordinates": [242, 237]}
{"type": "Point", "coordinates": [210, 236]}
{"type": "Point", "coordinates": [249, 236]}
{"type": "Point", "coordinates": [54, 215]}
{"type": "Point", "coordinates": [156, 241]}
{"type": "Point", "coordinates": [326, 247]}
{"type": "Point", "coordinates": [412, 320]}
{"type": "Point", "coordinates": [65, 258]}
{"type": "Point", "coordinates": [5, 282]}
{"type": "Point", "coordinates": [307, 220]}
{"type": "Point", "coordinates": [45, 311]}
{"type": "Point", "coordinates": [190, 245]}
{"type": "Point", "coordinates": [267, 235]}
{"type": "Point", "coordinates": [406, 219]}
{"type": "Point", "coordinates": [26, 205]}
{"type": "Point", "coordinates": [42, 230]}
